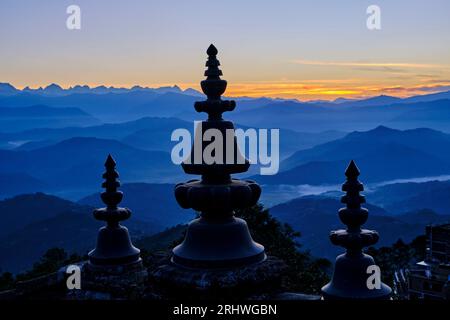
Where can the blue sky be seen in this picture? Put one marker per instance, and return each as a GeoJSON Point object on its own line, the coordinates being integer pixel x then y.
{"type": "Point", "coordinates": [288, 48]}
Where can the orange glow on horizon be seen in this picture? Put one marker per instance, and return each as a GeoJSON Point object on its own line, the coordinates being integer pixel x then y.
{"type": "Point", "coordinates": [305, 90]}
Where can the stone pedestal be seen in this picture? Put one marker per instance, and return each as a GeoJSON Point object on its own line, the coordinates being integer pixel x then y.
{"type": "Point", "coordinates": [260, 280]}
{"type": "Point", "coordinates": [127, 281]}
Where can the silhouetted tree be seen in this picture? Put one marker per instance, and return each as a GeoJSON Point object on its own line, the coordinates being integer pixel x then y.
{"type": "Point", "coordinates": [51, 261]}
{"type": "Point", "coordinates": [305, 273]}
{"type": "Point", "coordinates": [6, 281]}
{"type": "Point", "coordinates": [399, 255]}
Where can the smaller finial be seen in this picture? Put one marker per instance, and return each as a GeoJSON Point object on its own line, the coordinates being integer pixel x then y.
{"type": "Point", "coordinates": [353, 215]}
{"type": "Point", "coordinates": [352, 187]}
{"type": "Point", "coordinates": [350, 272]}
{"type": "Point", "coordinates": [111, 197]}
{"type": "Point", "coordinates": [114, 246]}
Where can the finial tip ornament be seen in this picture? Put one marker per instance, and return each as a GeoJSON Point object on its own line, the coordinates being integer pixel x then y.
{"type": "Point", "coordinates": [212, 50]}
{"type": "Point", "coordinates": [110, 162]}
{"type": "Point", "coordinates": [352, 170]}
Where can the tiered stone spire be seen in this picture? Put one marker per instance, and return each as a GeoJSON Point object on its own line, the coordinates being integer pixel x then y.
{"type": "Point", "coordinates": [114, 246]}
{"type": "Point", "coordinates": [350, 275]}
{"type": "Point", "coordinates": [217, 238]}
{"type": "Point", "coordinates": [213, 87]}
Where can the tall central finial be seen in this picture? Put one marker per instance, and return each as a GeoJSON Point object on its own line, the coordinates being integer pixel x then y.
{"type": "Point", "coordinates": [217, 238]}
{"type": "Point", "coordinates": [213, 87]}
{"type": "Point", "coordinates": [214, 106]}
{"type": "Point", "coordinates": [111, 197]}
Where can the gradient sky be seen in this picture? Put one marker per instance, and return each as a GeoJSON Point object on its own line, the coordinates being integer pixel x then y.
{"type": "Point", "coordinates": [308, 50]}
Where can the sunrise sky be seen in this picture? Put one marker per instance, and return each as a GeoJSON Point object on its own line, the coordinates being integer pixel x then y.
{"type": "Point", "coordinates": [307, 50]}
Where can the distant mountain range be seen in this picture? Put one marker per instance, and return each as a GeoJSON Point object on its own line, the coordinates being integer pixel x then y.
{"type": "Point", "coordinates": [316, 216]}
{"type": "Point", "coordinates": [374, 101]}
{"type": "Point", "coordinates": [6, 89]}
{"type": "Point", "coordinates": [127, 131]}
{"type": "Point", "coordinates": [122, 104]}
{"type": "Point", "coordinates": [382, 154]}
{"type": "Point", "coordinates": [78, 163]}
{"type": "Point", "coordinates": [148, 133]}
{"type": "Point", "coordinates": [400, 198]}
{"type": "Point", "coordinates": [36, 222]}
{"type": "Point", "coordinates": [72, 167]}
{"type": "Point", "coordinates": [38, 159]}
{"type": "Point", "coordinates": [40, 116]}
{"type": "Point", "coordinates": [312, 117]}
{"type": "Point", "coordinates": [18, 183]}
{"type": "Point", "coordinates": [357, 144]}
{"type": "Point", "coordinates": [54, 89]}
